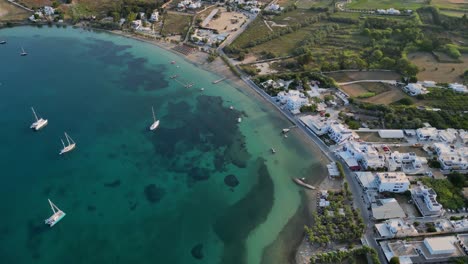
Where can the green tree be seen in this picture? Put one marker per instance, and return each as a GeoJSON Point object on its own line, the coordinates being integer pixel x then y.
{"type": "Point", "coordinates": [395, 260]}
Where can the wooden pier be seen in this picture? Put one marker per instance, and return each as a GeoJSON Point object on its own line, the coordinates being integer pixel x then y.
{"type": "Point", "coordinates": [220, 80]}
{"type": "Point", "coordinates": [303, 184]}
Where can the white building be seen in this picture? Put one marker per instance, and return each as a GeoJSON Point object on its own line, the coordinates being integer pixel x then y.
{"type": "Point", "coordinates": [440, 245]}
{"type": "Point", "coordinates": [136, 24]}
{"type": "Point", "coordinates": [319, 125]}
{"type": "Point", "coordinates": [427, 133]}
{"type": "Point", "coordinates": [339, 133]}
{"type": "Point", "coordinates": [369, 157]}
{"type": "Point", "coordinates": [272, 84]}
{"type": "Point", "coordinates": [426, 200]}
{"type": "Point", "coordinates": [395, 228]}
{"type": "Point", "coordinates": [396, 182]}
{"type": "Point", "coordinates": [154, 16]}
{"type": "Point", "coordinates": [450, 157]}
{"type": "Point", "coordinates": [414, 89]}
{"type": "Point", "coordinates": [293, 99]}
{"type": "Point", "coordinates": [458, 87]}
{"type": "Point", "coordinates": [428, 84]}
{"type": "Point", "coordinates": [189, 4]}
{"type": "Point", "coordinates": [390, 11]}
{"type": "Point", "coordinates": [404, 161]}
{"type": "Point", "coordinates": [49, 11]}
{"type": "Point", "coordinates": [448, 135]}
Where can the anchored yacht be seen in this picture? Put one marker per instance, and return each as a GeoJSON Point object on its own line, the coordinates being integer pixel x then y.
{"type": "Point", "coordinates": [40, 122]}
{"type": "Point", "coordinates": [56, 217]}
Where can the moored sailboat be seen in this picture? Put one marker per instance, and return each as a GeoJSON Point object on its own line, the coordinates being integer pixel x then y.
{"type": "Point", "coordinates": [23, 53]}
{"type": "Point", "coordinates": [39, 123]}
{"type": "Point", "coordinates": [56, 217]}
{"type": "Point", "coordinates": [155, 122]}
{"type": "Point", "coordinates": [71, 144]}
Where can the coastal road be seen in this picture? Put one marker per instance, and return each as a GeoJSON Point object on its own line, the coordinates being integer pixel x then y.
{"type": "Point", "coordinates": [358, 195]}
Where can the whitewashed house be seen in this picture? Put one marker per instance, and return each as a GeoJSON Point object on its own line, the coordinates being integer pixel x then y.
{"type": "Point", "coordinates": [458, 87]}
{"type": "Point", "coordinates": [396, 182]}
{"type": "Point", "coordinates": [427, 133]}
{"type": "Point", "coordinates": [293, 99]}
{"type": "Point", "coordinates": [49, 11]}
{"type": "Point", "coordinates": [395, 228]}
{"type": "Point", "coordinates": [414, 89]}
{"type": "Point", "coordinates": [339, 133]}
{"type": "Point", "coordinates": [154, 16]}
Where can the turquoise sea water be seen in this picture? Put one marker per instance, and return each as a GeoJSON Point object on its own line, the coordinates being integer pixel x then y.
{"type": "Point", "coordinates": [131, 195]}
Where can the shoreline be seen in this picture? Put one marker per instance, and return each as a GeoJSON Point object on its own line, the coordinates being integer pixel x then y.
{"type": "Point", "coordinates": [219, 67]}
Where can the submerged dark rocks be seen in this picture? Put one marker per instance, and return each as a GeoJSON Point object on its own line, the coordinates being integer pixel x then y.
{"type": "Point", "coordinates": [113, 184]}
{"type": "Point", "coordinates": [197, 251]}
{"type": "Point", "coordinates": [91, 208]}
{"type": "Point", "coordinates": [153, 193]}
{"type": "Point", "coordinates": [245, 215]}
{"type": "Point", "coordinates": [231, 180]}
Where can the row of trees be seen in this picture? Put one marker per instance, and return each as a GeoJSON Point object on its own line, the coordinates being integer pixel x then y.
{"type": "Point", "coordinates": [342, 255]}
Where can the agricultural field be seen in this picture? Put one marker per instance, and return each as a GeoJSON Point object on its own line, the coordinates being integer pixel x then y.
{"type": "Point", "coordinates": [450, 4]}
{"type": "Point", "coordinates": [363, 75]}
{"type": "Point", "coordinates": [306, 4]}
{"type": "Point", "coordinates": [376, 93]}
{"type": "Point", "coordinates": [35, 3]}
{"type": "Point", "coordinates": [431, 69]}
{"type": "Point", "coordinates": [454, 13]}
{"type": "Point", "coordinates": [256, 30]}
{"type": "Point", "coordinates": [10, 12]}
{"type": "Point", "coordinates": [385, 4]}
{"type": "Point", "coordinates": [175, 24]}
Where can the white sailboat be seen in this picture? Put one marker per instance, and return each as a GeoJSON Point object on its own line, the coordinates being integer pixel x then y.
{"type": "Point", "coordinates": [40, 122]}
{"type": "Point", "coordinates": [71, 144]}
{"type": "Point", "coordinates": [23, 53]}
{"type": "Point", "coordinates": [56, 217]}
{"type": "Point", "coordinates": [155, 122]}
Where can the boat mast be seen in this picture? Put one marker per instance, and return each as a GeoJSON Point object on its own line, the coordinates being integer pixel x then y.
{"type": "Point", "coordinates": [62, 143]}
{"type": "Point", "coordinates": [69, 138]}
{"type": "Point", "coordinates": [154, 117]}
{"type": "Point", "coordinates": [22, 49]}
{"type": "Point", "coordinates": [34, 112]}
{"type": "Point", "coordinates": [53, 206]}
{"type": "Point", "coordinates": [66, 137]}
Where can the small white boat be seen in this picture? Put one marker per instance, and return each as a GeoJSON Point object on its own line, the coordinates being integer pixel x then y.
{"type": "Point", "coordinates": [71, 144]}
{"type": "Point", "coordinates": [285, 130]}
{"type": "Point", "coordinates": [239, 120]}
{"type": "Point", "coordinates": [56, 217]}
{"type": "Point", "coordinates": [23, 53]}
{"type": "Point", "coordinates": [202, 89]}
{"type": "Point", "coordinates": [273, 150]}
{"type": "Point", "coordinates": [40, 122]}
{"type": "Point", "coordinates": [155, 122]}
{"type": "Point", "coordinates": [231, 107]}
{"type": "Point", "coordinates": [3, 42]}
{"type": "Point", "coordinates": [173, 62]}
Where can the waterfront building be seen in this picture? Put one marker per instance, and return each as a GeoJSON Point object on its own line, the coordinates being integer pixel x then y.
{"type": "Point", "coordinates": [293, 99]}
{"type": "Point", "coordinates": [319, 125]}
{"type": "Point", "coordinates": [458, 87]}
{"type": "Point", "coordinates": [339, 133]}
{"type": "Point", "coordinates": [49, 11]}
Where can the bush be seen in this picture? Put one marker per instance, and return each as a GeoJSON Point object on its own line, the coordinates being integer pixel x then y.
{"type": "Point", "coordinates": [366, 95]}
{"type": "Point", "coordinates": [452, 51]}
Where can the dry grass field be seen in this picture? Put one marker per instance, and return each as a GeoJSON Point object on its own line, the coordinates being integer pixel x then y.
{"type": "Point", "coordinates": [432, 70]}
{"type": "Point", "coordinates": [384, 93]}
{"type": "Point", "coordinates": [363, 75]}
{"type": "Point", "coordinates": [35, 3]}
{"type": "Point", "coordinates": [11, 12]}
